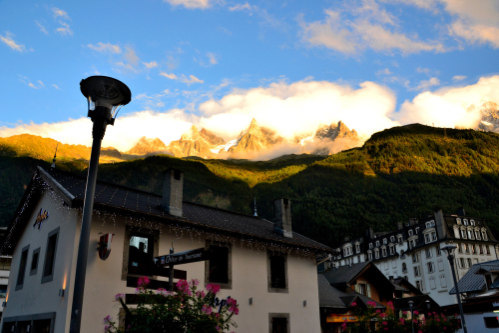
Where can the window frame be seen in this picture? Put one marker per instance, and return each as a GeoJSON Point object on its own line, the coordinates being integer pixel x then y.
{"type": "Point", "coordinates": [131, 231]}
{"type": "Point", "coordinates": [271, 289]}
{"type": "Point", "coordinates": [280, 316]}
{"type": "Point", "coordinates": [35, 270]}
{"type": "Point", "coordinates": [431, 267]}
{"type": "Point", "coordinates": [22, 268]}
{"type": "Point", "coordinates": [50, 277]}
{"type": "Point", "coordinates": [417, 270]}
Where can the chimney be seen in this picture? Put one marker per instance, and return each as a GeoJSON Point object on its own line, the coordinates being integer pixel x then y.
{"type": "Point", "coordinates": [413, 221]}
{"type": "Point", "coordinates": [400, 226]}
{"type": "Point", "coordinates": [282, 217]}
{"type": "Point", "coordinates": [391, 279]}
{"type": "Point", "coordinates": [173, 188]}
{"type": "Point", "coordinates": [370, 233]}
{"type": "Point", "coordinates": [461, 212]}
{"type": "Point", "coordinates": [440, 224]}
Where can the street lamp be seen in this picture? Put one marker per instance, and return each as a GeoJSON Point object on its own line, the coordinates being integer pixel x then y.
{"type": "Point", "coordinates": [449, 250]}
{"type": "Point", "coordinates": [105, 96]}
{"type": "Point", "coordinates": [411, 304]}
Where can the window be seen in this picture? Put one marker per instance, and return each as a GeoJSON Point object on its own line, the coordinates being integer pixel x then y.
{"type": "Point", "coordinates": [34, 262]}
{"type": "Point", "coordinates": [458, 221]}
{"type": "Point", "coordinates": [462, 263]}
{"type": "Point", "coordinates": [417, 271]}
{"type": "Point", "coordinates": [488, 250]}
{"type": "Point", "coordinates": [440, 265]}
{"type": "Point", "coordinates": [433, 236]}
{"type": "Point", "coordinates": [384, 251]}
{"type": "Point", "coordinates": [410, 233]}
{"type": "Point", "coordinates": [431, 267]}
{"type": "Point", "coordinates": [414, 243]}
{"type": "Point", "coordinates": [417, 230]}
{"type": "Point", "coordinates": [470, 234]}
{"type": "Point", "coordinates": [419, 285]}
{"type": "Point", "coordinates": [219, 266]}
{"type": "Point", "coordinates": [430, 224]}
{"type": "Point", "coordinates": [465, 221]}
{"type": "Point", "coordinates": [443, 282]}
{"type": "Point", "coordinates": [400, 238]}
{"type": "Point", "coordinates": [376, 253]}
{"type": "Point", "coordinates": [392, 239]}
{"type": "Point", "coordinates": [22, 268]}
{"type": "Point", "coordinates": [404, 267]}
{"type": "Point", "coordinates": [477, 235]}
{"type": "Point", "coordinates": [428, 253]}
{"type": "Point", "coordinates": [432, 283]}
{"type": "Point", "coordinates": [357, 248]}
{"type": "Point", "coordinates": [484, 235]}
{"type": "Point", "coordinates": [377, 243]}
{"type": "Point", "coordinates": [415, 258]}
{"type": "Point", "coordinates": [460, 248]}
{"type": "Point", "coordinates": [402, 254]}
{"type": "Point", "coordinates": [472, 222]}
{"type": "Point", "coordinates": [466, 248]}
{"type": "Point", "coordinates": [48, 266]}
{"type": "Point", "coordinates": [392, 250]}
{"type": "Point", "coordinates": [363, 289]}
{"type": "Point", "coordinates": [491, 322]}
{"type": "Point", "coordinates": [427, 238]}
{"type": "Point", "coordinates": [474, 249]}
{"type": "Point", "coordinates": [140, 253]}
{"type": "Point", "coordinates": [279, 322]}
{"type": "Point", "coordinates": [439, 251]}
{"type": "Point", "coordinates": [370, 255]}
{"type": "Point", "coordinates": [371, 246]}
{"type": "Point", "coordinates": [463, 233]}
{"type": "Point", "coordinates": [278, 276]}
{"type": "Point", "coordinates": [385, 241]}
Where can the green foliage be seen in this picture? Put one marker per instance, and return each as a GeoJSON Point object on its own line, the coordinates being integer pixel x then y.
{"type": "Point", "coordinates": [399, 173]}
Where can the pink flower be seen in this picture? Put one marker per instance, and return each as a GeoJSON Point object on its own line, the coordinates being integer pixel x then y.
{"type": "Point", "coordinates": [414, 320]}
{"type": "Point", "coordinates": [234, 310]}
{"type": "Point", "coordinates": [371, 303]}
{"type": "Point", "coordinates": [143, 281]}
{"type": "Point", "coordinates": [107, 328]}
{"type": "Point", "coordinates": [119, 296]}
{"type": "Point", "coordinates": [213, 288]}
{"type": "Point", "coordinates": [384, 323]}
{"type": "Point", "coordinates": [378, 311]}
{"type": "Point", "coordinates": [108, 319]}
{"type": "Point", "coordinates": [207, 309]}
{"type": "Point", "coordinates": [416, 313]}
{"type": "Point", "coordinates": [353, 304]}
{"type": "Point", "coordinates": [344, 326]}
{"type": "Point", "coordinates": [402, 320]}
{"type": "Point", "coordinates": [194, 283]}
{"type": "Point", "coordinates": [390, 305]}
{"type": "Point", "coordinates": [200, 294]}
{"type": "Point", "coordinates": [383, 315]}
{"type": "Point", "coordinates": [420, 331]}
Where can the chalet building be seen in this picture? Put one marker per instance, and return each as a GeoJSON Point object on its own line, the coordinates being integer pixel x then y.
{"type": "Point", "coordinates": [479, 289]}
{"type": "Point", "coordinates": [413, 251]}
{"type": "Point", "coordinates": [342, 289]}
{"type": "Point", "coordinates": [269, 269]}
{"type": "Point", "coordinates": [5, 262]}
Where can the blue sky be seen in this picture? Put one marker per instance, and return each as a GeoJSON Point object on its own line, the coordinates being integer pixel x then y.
{"type": "Point", "coordinates": [290, 64]}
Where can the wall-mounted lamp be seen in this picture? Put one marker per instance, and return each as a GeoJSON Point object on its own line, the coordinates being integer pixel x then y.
{"type": "Point", "coordinates": [61, 292]}
{"type": "Point", "coordinates": [28, 328]}
{"type": "Point", "coordinates": [304, 303]}
{"type": "Point", "coordinates": [251, 301]}
{"type": "Point", "coordinates": [13, 328]}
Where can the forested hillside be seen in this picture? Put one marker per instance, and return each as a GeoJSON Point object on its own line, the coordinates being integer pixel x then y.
{"type": "Point", "coordinates": [399, 173]}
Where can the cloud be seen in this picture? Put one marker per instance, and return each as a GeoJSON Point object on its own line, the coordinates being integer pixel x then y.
{"type": "Point", "coordinates": [64, 29]}
{"type": "Point", "coordinates": [240, 7]}
{"type": "Point", "coordinates": [191, 4]}
{"type": "Point", "coordinates": [105, 47]}
{"type": "Point", "coordinates": [131, 60]}
{"type": "Point", "coordinates": [425, 84]}
{"type": "Point", "coordinates": [182, 78]}
{"type": "Point", "coordinates": [60, 13]}
{"type": "Point", "coordinates": [450, 106]}
{"type": "Point", "coordinates": [56, 86]}
{"type": "Point", "coordinates": [28, 82]}
{"type": "Point", "coordinates": [370, 27]}
{"type": "Point", "coordinates": [458, 78]}
{"type": "Point", "coordinates": [42, 28]}
{"type": "Point", "coordinates": [212, 58]}
{"type": "Point", "coordinates": [169, 76]}
{"type": "Point", "coordinates": [385, 71]}
{"type": "Point", "coordinates": [423, 70]}
{"type": "Point", "coordinates": [9, 41]}
{"type": "Point", "coordinates": [151, 64]}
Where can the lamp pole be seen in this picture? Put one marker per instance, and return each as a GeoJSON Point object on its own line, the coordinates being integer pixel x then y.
{"type": "Point", "coordinates": [105, 95]}
{"type": "Point", "coordinates": [449, 249]}
{"type": "Point", "coordinates": [411, 303]}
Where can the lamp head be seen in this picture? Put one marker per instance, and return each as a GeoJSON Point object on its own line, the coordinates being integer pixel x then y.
{"type": "Point", "coordinates": [411, 303]}
{"type": "Point", "coordinates": [105, 95]}
{"type": "Point", "coordinates": [449, 249]}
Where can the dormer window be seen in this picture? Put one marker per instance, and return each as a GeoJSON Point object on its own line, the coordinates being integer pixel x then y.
{"type": "Point", "coordinates": [470, 234]}
{"type": "Point", "coordinates": [400, 238]}
{"type": "Point", "coordinates": [472, 222]}
{"type": "Point", "coordinates": [384, 252]}
{"type": "Point", "coordinates": [376, 253]}
{"type": "Point", "coordinates": [377, 243]}
{"type": "Point", "coordinates": [430, 224]}
{"type": "Point", "coordinates": [477, 235]}
{"type": "Point", "coordinates": [433, 236]}
{"type": "Point", "coordinates": [370, 255]}
{"type": "Point", "coordinates": [402, 254]}
{"type": "Point", "coordinates": [417, 229]}
{"type": "Point", "coordinates": [463, 233]}
{"type": "Point", "coordinates": [371, 246]}
{"type": "Point", "coordinates": [458, 221]}
{"type": "Point", "coordinates": [357, 248]}
{"type": "Point", "coordinates": [484, 235]}
{"type": "Point", "coordinates": [392, 239]}
{"type": "Point", "coordinates": [392, 250]}
{"type": "Point", "coordinates": [410, 233]}
{"type": "Point", "coordinates": [465, 221]}
{"type": "Point", "coordinates": [385, 241]}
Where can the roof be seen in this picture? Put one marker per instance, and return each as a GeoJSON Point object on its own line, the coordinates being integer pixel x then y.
{"type": "Point", "coordinates": [345, 274]}
{"type": "Point", "coordinates": [330, 297]}
{"type": "Point", "coordinates": [127, 200]}
{"type": "Point", "coordinates": [419, 303]}
{"type": "Point", "coordinates": [472, 281]}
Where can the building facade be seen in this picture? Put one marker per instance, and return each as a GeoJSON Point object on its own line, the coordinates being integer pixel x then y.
{"type": "Point", "coordinates": [269, 269]}
{"type": "Point", "coordinates": [413, 251]}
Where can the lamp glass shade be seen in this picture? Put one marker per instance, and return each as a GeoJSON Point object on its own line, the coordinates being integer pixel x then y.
{"type": "Point", "coordinates": [449, 249]}
{"type": "Point", "coordinates": [105, 91]}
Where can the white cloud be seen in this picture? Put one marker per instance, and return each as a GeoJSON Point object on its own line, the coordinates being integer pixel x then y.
{"type": "Point", "coordinates": [131, 60]}
{"type": "Point", "coordinates": [56, 86]}
{"type": "Point", "coordinates": [451, 106]}
{"type": "Point", "coordinates": [151, 64]}
{"type": "Point", "coordinates": [212, 58]}
{"type": "Point", "coordinates": [371, 27]}
{"type": "Point", "coordinates": [42, 28]}
{"type": "Point", "coordinates": [10, 42]}
{"type": "Point", "coordinates": [105, 47]}
{"type": "Point", "coordinates": [240, 7]}
{"type": "Point", "coordinates": [385, 71]}
{"type": "Point", "coordinates": [191, 4]}
{"type": "Point", "coordinates": [457, 78]}
{"type": "Point", "coordinates": [423, 70]}
{"type": "Point", "coordinates": [64, 29]}
{"type": "Point", "coordinates": [169, 76]}
{"type": "Point", "coordinates": [426, 84]}
{"type": "Point", "coordinates": [60, 13]}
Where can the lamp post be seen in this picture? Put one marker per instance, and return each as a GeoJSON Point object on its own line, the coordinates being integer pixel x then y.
{"type": "Point", "coordinates": [449, 250]}
{"type": "Point", "coordinates": [411, 304]}
{"type": "Point", "coordinates": [105, 96]}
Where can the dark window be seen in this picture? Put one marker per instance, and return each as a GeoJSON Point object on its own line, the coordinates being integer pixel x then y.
{"type": "Point", "coordinates": [48, 267]}
{"type": "Point", "coordinates": [277, 271]}
{"type": "Point", "coordinates": [177, 174]}
{"type": "Point", "coordinates": [279, 325]}
{"type": "Point", "coordinates": [3, 290]}
{"type": "Point", "coordinates": [219, 264]}
{"type": "Point", "coordinates": [22, 268]}
{"type": "Point", "coordinates": [34, 262]}
{"type": "Point", "coordinates": [140, 254]}
{"type": "Point", "coordinates": [491, 322]}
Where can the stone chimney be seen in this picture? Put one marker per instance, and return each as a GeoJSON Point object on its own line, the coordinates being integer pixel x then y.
{"type": "Point", "coordinates": [440, 224]}
{"type": "Point", "coordinates": [400, 226]}
{"type": "Point", "coordinates": [370, 233]}
{"type": "Point", "coordinates": [282, 217]}
{"type": "Point", "coordinates": [461, 212]}
{"type": "Point", "coordinates": [173, 188]}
